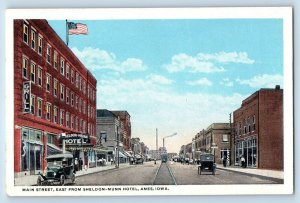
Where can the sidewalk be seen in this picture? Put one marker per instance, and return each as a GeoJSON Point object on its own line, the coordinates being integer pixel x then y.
{"type": "Point", "coordinates": [32, 179]}
{"type": "Point", "coordinates": [263, 173]}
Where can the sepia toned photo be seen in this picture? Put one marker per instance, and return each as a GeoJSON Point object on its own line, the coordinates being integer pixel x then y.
{"type": "Point", "coordinates": [173, 101]}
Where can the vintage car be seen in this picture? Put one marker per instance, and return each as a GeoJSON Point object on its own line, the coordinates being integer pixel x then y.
{"type": "Point", "coordinates": [207, 164]}
{"type": "Point", "coordinates": [60, 169]}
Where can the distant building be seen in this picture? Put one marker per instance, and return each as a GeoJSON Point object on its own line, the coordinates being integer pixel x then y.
{"type": "Point", "coordinates": [217, 134]}
{"type": "Point", "coordinates": [109, 134]}
{"type": "Point", "coordinates": [258, 127]}
{"type": "Point", "coordinates": [171, 155]}
{"type": "Point", "coordinates": [126, 128]}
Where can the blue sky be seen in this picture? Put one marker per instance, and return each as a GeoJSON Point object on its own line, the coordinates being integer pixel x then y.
{"type": "Point", "coordinates": [178, 75]}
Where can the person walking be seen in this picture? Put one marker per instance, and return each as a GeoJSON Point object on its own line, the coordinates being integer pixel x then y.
{"type": "Point", "coordinates": [243, 162]}
{"type": "Point", "coordinates": [224, 161]}
{"type": "Point", "coordinates": [76, 163]}
{"type": "Point", "coordinates": [80, 164]}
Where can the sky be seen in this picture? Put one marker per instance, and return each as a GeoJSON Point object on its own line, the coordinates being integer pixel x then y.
{"type": "Point", "coordinates": [178, 76]}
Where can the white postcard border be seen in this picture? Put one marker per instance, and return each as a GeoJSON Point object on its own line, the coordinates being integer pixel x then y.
{"type": "Point", "coordinates": [284, 13]}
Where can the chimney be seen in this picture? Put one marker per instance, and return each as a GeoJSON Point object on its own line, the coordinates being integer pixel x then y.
{"type": "Point", "coordinates": [277, 87]}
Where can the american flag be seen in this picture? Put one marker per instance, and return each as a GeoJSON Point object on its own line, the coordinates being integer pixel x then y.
{"type": "Point", "coordinates": [77, 28]}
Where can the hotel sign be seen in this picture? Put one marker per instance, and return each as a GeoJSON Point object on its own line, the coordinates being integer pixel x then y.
{"type": "Point", "coordinates": [26, 96]}
{"type": "Point", "coordinates": [75, 138]}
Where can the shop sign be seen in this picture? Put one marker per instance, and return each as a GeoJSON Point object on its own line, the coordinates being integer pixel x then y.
{"type": "Point", "coordinates": [75, 139]}
{"type": "Point", "coordinates": [26, 96]}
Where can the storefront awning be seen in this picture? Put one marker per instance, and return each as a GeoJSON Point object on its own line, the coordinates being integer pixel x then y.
{"type": "Point", "coordinates": [121, 155]}
{"type": "Point", "coordinates": [53, 149]}
{"type": "Point", "coordinates": [128, 154]}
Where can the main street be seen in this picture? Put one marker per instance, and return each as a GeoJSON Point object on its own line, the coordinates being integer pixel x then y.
{"type": "Point", "coordinates": [167, 174]}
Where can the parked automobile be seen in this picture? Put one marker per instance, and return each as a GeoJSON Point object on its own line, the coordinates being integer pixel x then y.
{"type": "Point", "coordinates": [207, 164]}
{"type": "Point", "coordinates": [60, 169]}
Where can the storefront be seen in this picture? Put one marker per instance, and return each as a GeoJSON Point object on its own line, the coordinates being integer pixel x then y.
{"type": "Point", "coordinates": [31, 150]}
{"type": "Point", "coordinates": [248, 150]}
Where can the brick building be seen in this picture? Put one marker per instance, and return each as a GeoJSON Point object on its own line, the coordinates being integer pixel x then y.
{"type": "Point", "coordinates": [53, 94]}
{"type": "Point", "coordinates": [258, 127]}
{"type": "Point", "coordinates": [219, 134]}
{"type": "Point", "coordinates": [126, 128]}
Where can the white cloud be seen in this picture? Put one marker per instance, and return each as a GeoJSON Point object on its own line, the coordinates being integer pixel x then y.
{"type": "Point", "coordinates": [206, 63]}
{"type": "Point", "coordinates": [154, 106]}
{"type": "Point", "coordinates": [95, 58]}
{"type": "Point", "coordinates": [263, 81]}
{"type": "Point", "coordinates": [227, 57]}
{"type": "Point", "coordinates": [159, 79]}
{"type": "Point", "coordinates": [202, 81]}
{"type": "Point", "coordinates": [226, 82]}
{"type": "Point", "coordinates": [182, 62]}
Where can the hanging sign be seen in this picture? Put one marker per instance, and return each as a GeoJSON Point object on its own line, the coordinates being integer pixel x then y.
{"type": "Point", "coordinates": [26, 96]}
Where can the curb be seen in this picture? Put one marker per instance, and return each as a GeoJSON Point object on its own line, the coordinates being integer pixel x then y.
{"type": "Point", "coordinates": [277, 180]}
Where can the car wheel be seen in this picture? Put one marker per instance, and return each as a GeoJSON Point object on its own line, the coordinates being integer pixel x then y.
{"type": "Point", "coordinates": [62, 180]}
{"type": "Point", "coordinates": [39, 181]}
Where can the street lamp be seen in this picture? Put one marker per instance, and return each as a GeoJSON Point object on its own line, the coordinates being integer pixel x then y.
{"type": "Point", "coordinates": [214, 147]}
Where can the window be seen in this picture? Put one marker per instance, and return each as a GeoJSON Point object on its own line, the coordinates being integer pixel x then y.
{"type": "Point", "coordinates": [67, 71]}
{"type": "Point", "coordinates": [55, 59]}
{"type": "Point", "coordinates": [89, 107]}
{"type": "Point", "coordinates": [80, 105]}
{"type": "Point", "coordinates": [72, 99]}
{"type": "Point", "coordinates": [72, 76]}
{"type": "Point", "coordinates": [76, 102]}
{"type": "Point", "coordinates": [62, 66]}
{"type": "Point", "coordinates": [32, 72]}
{"type": "Point", "coordinates": [55, 87]}
{"type": "Point", "coordinates": [76, 123]}
{"type": "Point", "coordinates": [32, 104]}
{"type": "Point", "coordinates": [81, 125]}
{"type": "Point", "coordinates": [25, 33]}
{"type": "Point", "coordinates": [67, 120]}
{"type": "Point", "coordinates": [48, 111]}
{"type": "Point", "coordinates": [40, 73]}
{"type": "Point", "coordinates": [225, 138]}
{"type": "Point", "coordinates": [39, 107]}
{"type": "Point", "coordinates": [40, 43]}
{"type": "Point", "coordinates": [67, 95]}
{"type": "Point", "coordinates": [55, 114]}
{"type": "Point", "coordinates": [48, 58]}
{"type": "Point", "coordinates": [253, 123]}
{"type": "Point", "coordinates": [72, 122]}
{"type": "Point", "coordinates": [62, 92]}
{"type": "Point", "coordinates": [48, 82]}
{"type": "Point", "coordinates": [88, 91]}
{"type": "Point", "coordinates": [25, 67]}
{"type": "Point", "coordinates": [62, 117]}
{"type": "Point", "coordinates": [84, 86]}
{"type": "Point", "coordinates": [33, 38]}
{"type": "Point", "coordinates": [83, 107]}
{"type": "Point", "coordinates": [76, 82]}
{"type": "Point", "coordinates": [80, 83]}
{"type": "Point", "coordinates": [50, 138]}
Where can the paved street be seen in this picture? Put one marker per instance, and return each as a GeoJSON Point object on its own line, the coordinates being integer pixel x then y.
{"type": "Point", "coordinates": [159, 174]}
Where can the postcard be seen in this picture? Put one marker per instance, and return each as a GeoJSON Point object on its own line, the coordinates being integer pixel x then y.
{"type": "Point", "coordinates": [149, 101]}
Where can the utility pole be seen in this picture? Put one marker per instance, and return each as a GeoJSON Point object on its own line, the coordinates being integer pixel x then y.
{"type": "Point", "coordinates": [156, 139]}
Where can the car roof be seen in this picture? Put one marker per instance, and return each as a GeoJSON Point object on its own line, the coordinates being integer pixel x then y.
{"type": "Point", "coordinates": [60, 156]}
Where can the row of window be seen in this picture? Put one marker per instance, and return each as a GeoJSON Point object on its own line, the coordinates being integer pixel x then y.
{"type": "Point", "coordinates": [59, 116]}
{"type": "Point", "coordinates": [57, 88]}
{"type": "Point", "coordinates": [248, 126]}
{"type": "Point", "coordinates": [64, 66]}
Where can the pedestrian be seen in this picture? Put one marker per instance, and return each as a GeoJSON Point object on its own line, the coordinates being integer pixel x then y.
{"type": "Point", "coordinates": [80, 164]}
{"type": "Point", "coordinates": [243, 163]}
{"type": "Point", "coordinates": [111, 161]}
{"type": "Point", "coordinates": [76, 164]}
{"type": "Point", "coordinates": [224, 161]}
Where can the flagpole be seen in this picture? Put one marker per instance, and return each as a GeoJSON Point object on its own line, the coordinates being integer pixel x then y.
{"type": "Point", "coordinates": [67, 32]}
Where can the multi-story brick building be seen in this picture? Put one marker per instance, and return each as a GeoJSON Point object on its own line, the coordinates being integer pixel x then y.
{"type": "Point", "coordinates": [217, 134]}
{"type": "Point", "coordinates": [109, 135]}
{"type": "Point", "coordinates": [126, 128]}
{"type": "Point", "coordinates": [258, 127]}
{"type": "Point", "coordinates": [53, 94]}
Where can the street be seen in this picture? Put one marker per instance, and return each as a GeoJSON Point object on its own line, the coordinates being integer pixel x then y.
{"type": "Point", "coordinates": [167, 174]}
